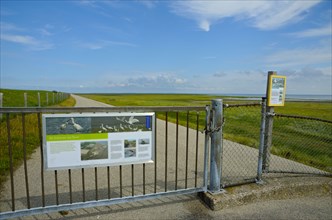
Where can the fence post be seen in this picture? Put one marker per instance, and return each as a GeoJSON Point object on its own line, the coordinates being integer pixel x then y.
{"type": "Point", "coordinates": [53, 98]}
{"type": "Point", "coordinates": [1, 103]}
{"type": "Point", "coordinates": [38, 94]}
{"type": "Point", "coordinates": [261, 141]}
{"type": "Point", "coordinates": [268, 129]}
{"type": "Point", "coordinates": [25, 99]}
{"type": "Point", "coordinates": [47, 99]}
{"type": "Point", "coordinates": [216, 146]}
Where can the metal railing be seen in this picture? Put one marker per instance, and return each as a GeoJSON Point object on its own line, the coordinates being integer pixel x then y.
{"type": "Point", "coordinates": [180, 164]}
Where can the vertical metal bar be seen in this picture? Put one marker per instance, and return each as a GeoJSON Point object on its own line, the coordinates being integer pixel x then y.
{"type": "Point", "coordinates": [187, 149]}
{"type": "Point", "coordinates": [261, 141]}
{"type": "Point", "coordinates": [70, 187]}
{"type": "Point", "coordinates": [41, 159]}
{"type": "Point", "coordinates": [166, 146]}
{"type": "Point", "coordinates": [108, 183]}
{"type": "Point", "coordinates": [120, 167]}
{"type": "Point", "coordinates": [10, 163]}
{"type": "Point", "coordinates": [176, 150]}
{"type": "Point", "coordinates": [206, 145]}
{"type": "Point", "coordinates": [132, 180]}
{"type": "Point", "coordinates": [47, 99]}
{"type": "Point", "coordinates": [83, 183]}
{"type": "Point", "coordinates": [196, 161]}
{"type": "Point", "coordinates": [216, 146]}
{"type": "Point", "coordinates": [155, 156]}
{"type": "Point", "coordinates": [143, 178]}
{"type": "Point", "coordinates": [25, 161]}
{"type": "Point", "coordinates": [56, 186]}
{"type": "Point", "coordinates": [96, 182]}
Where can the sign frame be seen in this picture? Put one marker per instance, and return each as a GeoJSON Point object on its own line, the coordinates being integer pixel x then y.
{"type": "Point", "coordinates": [276, 90]}
{"type": "Point", "coordinates": [81, 140]}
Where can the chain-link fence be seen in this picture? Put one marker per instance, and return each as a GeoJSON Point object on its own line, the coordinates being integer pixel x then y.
{"type": "Point", "coordinates": [301, 145]}
{"type": "Point", "coordinates": [241, 141]}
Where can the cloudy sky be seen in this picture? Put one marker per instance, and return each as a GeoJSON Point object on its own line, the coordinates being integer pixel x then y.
{"type": "Point", "coordinates": [217, 47]}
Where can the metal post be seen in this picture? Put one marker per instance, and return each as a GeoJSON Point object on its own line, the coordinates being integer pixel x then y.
{"type": "Point", "coordinates": [47, 99]}
{"type": "Point", "coordinates": [25, 99]}
{"type": "Point", "coordinates": [261, 142]}
{"type": "Point", "coordinates": [216, 146]}
{"type": "Point", "coordinates": [206, 147]}
{"type": "Point", "coordinates": [53, 98]}
{"type": "Point", "coordinates": [268, 129]}
{"type": "Point", "coordinates": [38, 94]}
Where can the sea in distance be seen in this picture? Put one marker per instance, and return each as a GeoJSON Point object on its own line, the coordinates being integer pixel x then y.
{"type": "Point", "coordinates": [289, 97]}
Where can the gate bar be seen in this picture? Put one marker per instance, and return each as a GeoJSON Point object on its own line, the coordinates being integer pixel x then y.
{"type": "Point", "coordinates": [90, 204]}
{"type": "Point", "coordinates": [25, 160]}
{"type": "Point", "coordinates": [11, 163]}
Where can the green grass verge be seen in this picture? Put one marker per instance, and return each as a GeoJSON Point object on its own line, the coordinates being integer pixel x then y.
{"type": "Point", "coordinates": [16, 134]}
{"type": "Point", "coordinates": [305, 141]}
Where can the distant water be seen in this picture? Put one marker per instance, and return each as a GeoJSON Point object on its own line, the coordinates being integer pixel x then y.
{"type": "Point", "coordinates": [288, 97]}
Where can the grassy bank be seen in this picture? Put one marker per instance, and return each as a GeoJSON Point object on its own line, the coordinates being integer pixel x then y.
{"type": "Point", "coordinates": [16, 134]}
{"type": "Point", "coordinates": [305, 141]}
{"type": "Point", "coordinates": [15, 98]}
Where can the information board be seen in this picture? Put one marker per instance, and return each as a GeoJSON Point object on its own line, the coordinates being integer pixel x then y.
{"type": "Point", "coordinates": [276, 90]}
{"type": "Point", "coordinates": [90, 140]}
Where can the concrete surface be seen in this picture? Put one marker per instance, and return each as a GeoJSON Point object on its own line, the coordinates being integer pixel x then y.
{"type": "Point", "coordinates": [175, 207]}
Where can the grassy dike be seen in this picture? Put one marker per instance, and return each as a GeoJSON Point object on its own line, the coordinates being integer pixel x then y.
{"type": "Point", "coordinates": [16, 131]}
{"type": "Point", "coordinates": [305, 141]}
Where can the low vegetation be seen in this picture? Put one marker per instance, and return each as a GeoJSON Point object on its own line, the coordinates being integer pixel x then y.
{"type": "Point", "coordinates": [16, 133]}
{"type": "Point", "coordinates": [305, 141]}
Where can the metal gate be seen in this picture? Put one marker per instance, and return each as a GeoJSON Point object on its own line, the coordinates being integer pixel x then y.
{"type": "Point", "coordinates": [180, 164]}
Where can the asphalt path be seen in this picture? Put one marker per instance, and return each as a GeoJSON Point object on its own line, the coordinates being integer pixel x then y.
{"type": "Point", "coordinates": [172, 207]}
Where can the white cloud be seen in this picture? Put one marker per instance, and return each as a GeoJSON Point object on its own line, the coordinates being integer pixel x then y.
{"type": "Point", "coordinates": [299, 57]}
{"type": "Point", "coordinates": [105, 43]}
{"type": "Point", "coordinates": [148, 3]}
{"type": "Point", "coordinates": [263, 15]}
{"type": "Point", "coordinates": [27, 40]}
{"type": "Point", "coordinates": [314, 32]}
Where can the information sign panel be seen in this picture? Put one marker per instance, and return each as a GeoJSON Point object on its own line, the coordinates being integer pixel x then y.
{"type": "Point", "coordinates": [276, 90]}
{"type": "Point", "coordinates": [90, 140]}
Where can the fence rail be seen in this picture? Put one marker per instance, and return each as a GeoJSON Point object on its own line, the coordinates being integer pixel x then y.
{"type": "Point", "coordinates": [180, 164]}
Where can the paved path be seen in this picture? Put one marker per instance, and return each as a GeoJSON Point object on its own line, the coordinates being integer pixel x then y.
{"type": "Point", "coordinates": [239, 159]}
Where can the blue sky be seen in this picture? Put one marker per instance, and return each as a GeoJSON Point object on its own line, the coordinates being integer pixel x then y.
{"type": "Point", "coordinates": [217, 47]}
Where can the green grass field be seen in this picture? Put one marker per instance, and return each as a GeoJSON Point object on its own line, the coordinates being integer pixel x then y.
{"type": "Point", "coordinates": [306, 141]}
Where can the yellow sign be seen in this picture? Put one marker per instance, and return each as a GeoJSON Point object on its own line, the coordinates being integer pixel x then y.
{"type": "Point", "coordinates": [276, 90]}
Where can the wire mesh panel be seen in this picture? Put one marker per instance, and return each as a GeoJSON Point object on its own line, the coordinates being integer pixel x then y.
{"type": "Point", "coordinates": [241, 141]}
{"type": "Point", "coordinates": [301, 145]}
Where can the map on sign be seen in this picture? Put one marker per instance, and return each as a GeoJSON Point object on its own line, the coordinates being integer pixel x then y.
{"type": "Point", "coordinates": [89, 140]}
{"type": "Point", "coordinates": [276, 90]}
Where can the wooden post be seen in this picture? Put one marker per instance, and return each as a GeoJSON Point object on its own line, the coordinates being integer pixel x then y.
{"type": "Point", "coordinates": [38, 95]}
{"type": "Point", "coordinates": [25, 99]}
{"type": "Point", "coordinates": [268, 129]}
{"type": "Point", "coordinates": [1, 103]}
